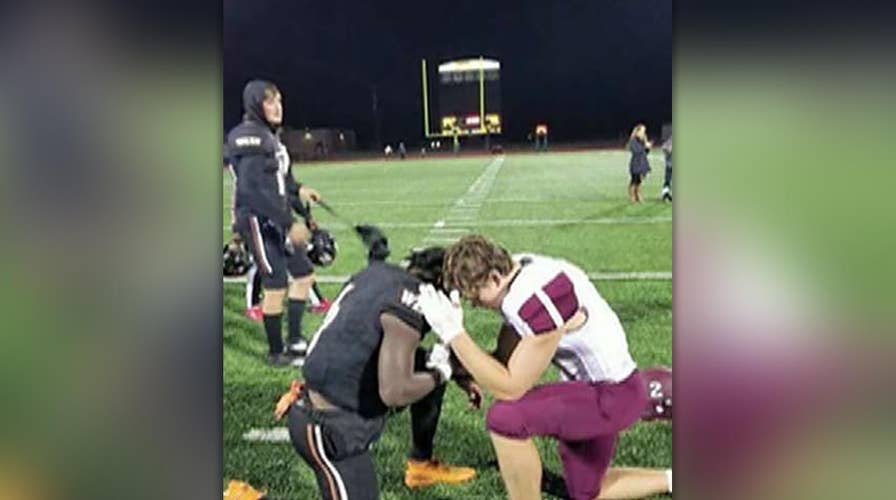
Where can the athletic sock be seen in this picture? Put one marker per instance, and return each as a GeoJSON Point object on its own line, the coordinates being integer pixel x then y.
{"type": "Point", "coordinates": [296, 310]}
{"type": "Point", "coordinates": [669, 479]}
{"type": "Point", "coordinates": [256, 289]}
{"type": "Point", "coordinates": [272, 328]}
{"type": "Point", "coordinates": [425, 415]}
{"type": "Point", "coordinates": [316, 290]}
{"type": "Point", "coordinates": [313, 297]}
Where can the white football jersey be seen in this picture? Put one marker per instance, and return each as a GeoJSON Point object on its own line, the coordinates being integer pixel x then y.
{"type": "Point", "coordinates": [544, 295]}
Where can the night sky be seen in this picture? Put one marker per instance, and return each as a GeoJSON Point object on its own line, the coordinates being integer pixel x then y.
{"type": "Point", "coordinates": [591, 69]}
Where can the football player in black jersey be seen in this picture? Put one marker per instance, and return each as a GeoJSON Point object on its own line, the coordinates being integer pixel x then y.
{"type": "Point", "coordinates": [364, 361]}
{"type": "Point", "coordinates": [264, 195]}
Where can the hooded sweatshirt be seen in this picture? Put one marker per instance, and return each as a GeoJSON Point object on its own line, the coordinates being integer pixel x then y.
{"type": "Point", "coordinates": [253, 150]}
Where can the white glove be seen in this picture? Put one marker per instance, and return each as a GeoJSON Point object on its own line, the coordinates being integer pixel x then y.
{"type": "Point", "coordinates": [444, 315]}
{"type": "Point", "coordinates": [438, 361]}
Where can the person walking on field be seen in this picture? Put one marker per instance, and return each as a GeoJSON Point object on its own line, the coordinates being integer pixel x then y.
{"type": "Point", "coordinates": [638, 166]}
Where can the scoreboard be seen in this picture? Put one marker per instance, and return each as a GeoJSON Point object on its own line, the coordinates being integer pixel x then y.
{"type": "Point", "coordinates": [468, 97]}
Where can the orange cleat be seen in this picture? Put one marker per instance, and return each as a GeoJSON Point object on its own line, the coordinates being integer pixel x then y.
{"type": "Point", "coordinates": [239, 490]}
{"type": "Point", "coordinates": [421, 473]}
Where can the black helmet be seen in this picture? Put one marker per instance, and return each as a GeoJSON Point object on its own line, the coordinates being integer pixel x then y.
{"type": "Point", "coordinates": [237, 260]}
{"type": "Point", "coordinates": [322, 249]}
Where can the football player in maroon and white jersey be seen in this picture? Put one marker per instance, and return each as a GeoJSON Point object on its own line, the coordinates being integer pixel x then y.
{"type": "Point", "coordinates": [560, 318]}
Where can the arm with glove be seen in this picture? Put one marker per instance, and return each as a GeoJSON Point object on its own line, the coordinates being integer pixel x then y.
{"type": "Point", "coordinates": [529, 360]}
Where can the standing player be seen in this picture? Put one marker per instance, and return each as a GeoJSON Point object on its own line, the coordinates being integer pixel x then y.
{"type": "Point", "coordinates": [363, 361]}
{"type": "Point", "coordinates": [638, 166]}
{"type": "Point", "coordinates": [262, 201]}
{"type": "Point", "coordinates": [667, 184]}
{"type": "Point", "coordinates": [299, 265]}
{"type": "Point", "coordinates": [561, 319]}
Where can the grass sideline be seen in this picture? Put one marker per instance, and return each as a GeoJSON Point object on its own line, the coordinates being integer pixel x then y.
{"type": "Point", "coordinates": [581, 186]}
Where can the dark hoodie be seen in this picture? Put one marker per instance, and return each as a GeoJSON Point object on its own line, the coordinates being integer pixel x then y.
{"type": "Point", "coordinates": [254, 94]}
{"type": "Point", "coordinates": [252, 148]}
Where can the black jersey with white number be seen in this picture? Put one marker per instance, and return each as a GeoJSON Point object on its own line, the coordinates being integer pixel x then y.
{"type": "Point", "coordinates": [259, 163]}
{"type": "Point", "coordinates": [343, 356]}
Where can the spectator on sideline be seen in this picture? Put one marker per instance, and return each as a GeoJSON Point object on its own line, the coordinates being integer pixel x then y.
{"type": "Point", "coordinates": [638, 166]}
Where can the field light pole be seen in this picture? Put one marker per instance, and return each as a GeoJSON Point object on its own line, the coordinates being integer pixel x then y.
{"type": "Point", "coordinates": [376, 118]}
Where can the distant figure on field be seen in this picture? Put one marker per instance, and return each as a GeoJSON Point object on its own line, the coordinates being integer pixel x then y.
{"type": "Point", "coordinates": [638, 166]}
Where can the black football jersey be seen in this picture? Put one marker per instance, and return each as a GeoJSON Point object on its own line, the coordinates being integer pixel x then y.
{"type": "Point", "coordinates": [344, 353]}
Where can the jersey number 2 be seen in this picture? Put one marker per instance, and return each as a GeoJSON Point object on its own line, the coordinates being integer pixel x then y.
{"type": "Point", "coordinates": [656, 389]}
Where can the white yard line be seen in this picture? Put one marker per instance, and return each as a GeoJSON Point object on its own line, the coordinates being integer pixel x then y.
{"type": "Point", "coordinates": [469, 221]}
{"type": "Point", "coordinates": [270, 435]}
{"type": "Point", "coordinates": [594, 276]}
{"type": "Point", "coordinates": [562, 222]}
{"type": "Point", "coordinates": [465, 209]}
{"type": "Point", "coordinates": [631, 276]}
{"type": "Point", "coordinates": [337, 279]}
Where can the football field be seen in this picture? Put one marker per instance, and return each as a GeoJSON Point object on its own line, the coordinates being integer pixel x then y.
{"type": "Point", "coordinates": [569, 205]}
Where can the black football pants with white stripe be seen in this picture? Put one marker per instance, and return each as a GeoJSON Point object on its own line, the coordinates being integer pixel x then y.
{"type": "Point", "coordinates": [336, 443]}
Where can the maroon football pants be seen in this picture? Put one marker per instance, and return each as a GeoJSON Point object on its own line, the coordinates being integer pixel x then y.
{"type": "Point", "coordinates": [585, 417]}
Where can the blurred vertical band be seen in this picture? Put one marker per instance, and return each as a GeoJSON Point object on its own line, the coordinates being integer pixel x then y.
{"type": "Point", "coordinates": [110, 140]}
{"type": "Point", "coordinates": [783, 250]}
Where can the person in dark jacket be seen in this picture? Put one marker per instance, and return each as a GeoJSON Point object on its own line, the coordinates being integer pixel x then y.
{"type": "Point", "coordinates": [264, 198]}
{"type": "Point", "coordinates": [667, 184]}
{"type": "Point", "coordinates": [638, 166]}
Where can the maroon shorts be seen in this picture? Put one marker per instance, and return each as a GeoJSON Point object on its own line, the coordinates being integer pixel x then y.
{"type": "Point", "coordinates": [585, 417]}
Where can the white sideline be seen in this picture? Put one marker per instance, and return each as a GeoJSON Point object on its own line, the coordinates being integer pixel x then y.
{"type": "Point", "coordinates": [593, 276]}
